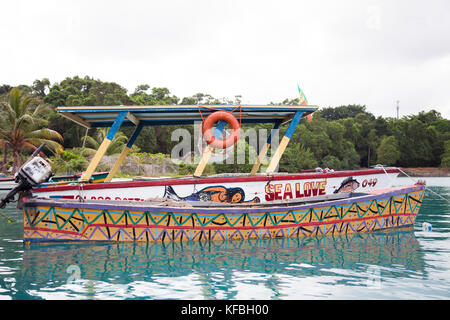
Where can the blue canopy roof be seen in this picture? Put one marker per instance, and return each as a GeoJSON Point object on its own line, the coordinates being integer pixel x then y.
{"type": "Point", "coordinates": [104, 116]}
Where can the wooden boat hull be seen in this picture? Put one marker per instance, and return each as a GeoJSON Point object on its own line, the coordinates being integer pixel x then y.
{"type": "Point", "coordinates": [48, 220]}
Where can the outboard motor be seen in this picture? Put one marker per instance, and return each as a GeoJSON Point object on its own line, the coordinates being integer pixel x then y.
{"type": "Point", "coordinates": [33, 172]}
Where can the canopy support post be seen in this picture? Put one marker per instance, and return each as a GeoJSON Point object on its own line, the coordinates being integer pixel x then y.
{"type": "Point", "coordinates": [264, 150]}
{"type": "Point", "coordinates": [208, 150]}
{"type": "Point", "coordinates": [284, 142]}
{"type": "Point", "coordinates": [124, 153]}
{"type": "Point", "coordinates": [103, 147]}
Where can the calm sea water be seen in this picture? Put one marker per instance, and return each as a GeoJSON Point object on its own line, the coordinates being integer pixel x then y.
{"type": "Point", "coordinates": [406, 264]}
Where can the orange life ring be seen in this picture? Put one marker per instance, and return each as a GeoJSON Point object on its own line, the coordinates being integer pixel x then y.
{"type": "Point", "coordinates": [221, 143]}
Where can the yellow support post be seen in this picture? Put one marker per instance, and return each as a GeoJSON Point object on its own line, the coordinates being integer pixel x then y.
{"type": "Point", "coordinates": [263, 151]}
{"type": "Point", "coordinates": [208, 150]}
{"type": "Point", "coordinates": [284, 142]}
{"type": "Point", "coordinates": [277, 156]}
{"type": "Point", "coordinates": [203, 161]}
{"type": "Point", "coordinates": [117, 164]}
{"type": "Point", "coordinates": [95, 160]}
{"type": "Point", "coordinates": [261, 156]}
{"type": "Point", "coordinates": [103, 147]}
{"type": "Point", "coordinates": [124, 153]}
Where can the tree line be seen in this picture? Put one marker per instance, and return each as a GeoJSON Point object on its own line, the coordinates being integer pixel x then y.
{"type": "Point", "coordinates": [343, 137]}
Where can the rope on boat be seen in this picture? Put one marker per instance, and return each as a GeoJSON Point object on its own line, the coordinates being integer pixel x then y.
{"type": "Point", "coordinates": [80, 192]}
{"type": "Point", "coordinates": [437, 194]}
{"type": "Point", "coordinates": [387, 175]}
{"type": "Point", "coordinates": [85, 136]}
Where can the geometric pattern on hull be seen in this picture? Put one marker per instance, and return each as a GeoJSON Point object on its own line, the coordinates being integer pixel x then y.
{"type": "Point", "coordinates": [50, 221]}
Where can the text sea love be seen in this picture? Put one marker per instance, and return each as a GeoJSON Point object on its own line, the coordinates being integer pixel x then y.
{"type": "Point", "coordinates": [288, 191]}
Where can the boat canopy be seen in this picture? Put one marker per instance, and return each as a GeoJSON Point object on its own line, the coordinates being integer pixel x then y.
{"type": "Point", "coordinates": [141, 116]}
{"type": "Point", "coordinates": [104, 116]}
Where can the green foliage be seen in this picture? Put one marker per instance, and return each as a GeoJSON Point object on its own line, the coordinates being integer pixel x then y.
{"type": "Point", "coordinates": [331, 162]}
{"type": "Point", "coordinates": [322, 143]}
{"type": "Point", "coordinates": [445, 160]}
{"type": "Point", "coordinates": [345, 137]}
{"type": "Point", "coordinates": [40, 87]}
{"type": "Point", "coordinates": [158, 96]}
{"type": "Point", "coordinates": [349, 156]}
{"type": "Point", "coordinates": [343, 112]}
{"type": "Point", "coordinates": [388, 151]}
{"type": "Point", "coordinates": [185, 169]}
{"type": "Point", "coordinates": [68, 163]}
{"type": "Point", "coordinates": [420, 143]}
{"type": "Point", "coordinates": [287, 102]}
{"type": "Point", "coordinates": [116, 146]}
{"type": "Point", "coordinates": [78, 91]}
{"type": "Point", "coordinates": [149, 158]}
{"type": "Point", "coordinates": [22, 129]}
{"type": "Point", "coordinates": [86, 91]}
{"type": "Point", "coordinates": [238, 161]}
{"type": "Point", "coordinates": [4, 89]}
{"type": "Point", "coordinates": [296, 158]}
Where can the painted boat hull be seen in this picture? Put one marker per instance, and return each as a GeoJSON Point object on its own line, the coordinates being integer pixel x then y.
{"type": "Point", "coordinates": [50, 220]}
{"type": "Point", "coordinates": [256, 189]}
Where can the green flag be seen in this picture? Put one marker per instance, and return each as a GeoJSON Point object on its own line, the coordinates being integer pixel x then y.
{"type": "Point", "coordinates": [303, 100]}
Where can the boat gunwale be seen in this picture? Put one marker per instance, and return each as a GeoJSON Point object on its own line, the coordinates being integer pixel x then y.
{"type": "Point", "coordinates": [140, 206]}
{"type": "Point", "coordinates": [206, 180]}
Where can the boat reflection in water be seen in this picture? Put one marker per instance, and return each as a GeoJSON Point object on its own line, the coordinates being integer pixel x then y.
{"type": "Point", "coordinates": [218, 270]}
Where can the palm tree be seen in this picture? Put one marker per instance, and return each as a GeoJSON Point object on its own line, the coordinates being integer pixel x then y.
{"type": "Point", "coordinates": [93, 143]}
{"type": "Point", "coordinates": [20, 132]}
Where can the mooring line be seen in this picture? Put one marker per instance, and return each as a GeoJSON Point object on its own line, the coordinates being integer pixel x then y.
{"type": "Point", "coordinates": [425, 185]}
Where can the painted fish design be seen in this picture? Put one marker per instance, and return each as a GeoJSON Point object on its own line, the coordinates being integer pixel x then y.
{"type": "Point", "coordinates": [348, 185]}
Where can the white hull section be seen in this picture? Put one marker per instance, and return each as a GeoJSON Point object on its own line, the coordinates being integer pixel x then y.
{"type": "Point", "coordinates": [6, 186]}
{"type": "Point", "coordinates": [229, 189]}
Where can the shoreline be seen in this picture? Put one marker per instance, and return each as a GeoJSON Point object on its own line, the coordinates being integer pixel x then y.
{"type": "Point", "coordinates": [426, 172]}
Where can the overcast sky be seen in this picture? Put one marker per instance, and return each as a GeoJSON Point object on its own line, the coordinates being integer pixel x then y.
{"type": "Point", "coordinates": [339, 52]}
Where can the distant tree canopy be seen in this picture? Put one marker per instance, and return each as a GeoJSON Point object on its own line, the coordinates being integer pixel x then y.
{"type": "Point", "coordinates": [445, 158]}
{"type": "Point", "coordinates": [388, 151]}
{"type": "Point", "coordinates": [86, 91]}
{"type": "Point", "coordinates": [343, 112]}
{"type": "Point", "coordinates": [343, 137]}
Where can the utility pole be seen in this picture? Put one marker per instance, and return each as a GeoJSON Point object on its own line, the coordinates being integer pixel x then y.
{"type": "Point", "coordinates": [398, 107]}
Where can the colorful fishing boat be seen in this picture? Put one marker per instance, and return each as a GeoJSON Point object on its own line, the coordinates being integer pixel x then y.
{"type": "Point", "coordinates": [48, 220]}
{"type": "Point", "coordinates": [255, 186]}
{"type": "Point", "coordinates": [243, 206]}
